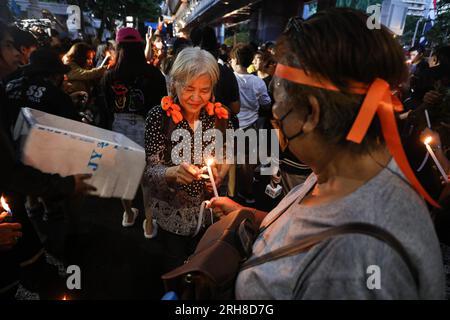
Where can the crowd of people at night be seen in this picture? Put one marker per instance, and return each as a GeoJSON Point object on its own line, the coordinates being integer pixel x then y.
{"type": "Point", "coordinates": [355, 116]}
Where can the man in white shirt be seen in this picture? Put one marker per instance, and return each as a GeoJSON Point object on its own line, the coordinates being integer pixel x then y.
{"type": "Point", "coordinates": [253, 95]}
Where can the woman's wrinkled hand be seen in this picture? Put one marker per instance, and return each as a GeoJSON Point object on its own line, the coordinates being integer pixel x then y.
{"type": "Point", "coordinates": [184, 173]}
{"type": "Point", "coordinates": [223, 205]}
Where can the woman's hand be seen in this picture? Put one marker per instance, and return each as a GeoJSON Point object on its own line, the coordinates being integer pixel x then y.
{"type": "Point", "coordinates": [148, 52]}
{"type": "Point", "coordinates": [183, 174]}
{"type": "Point", "coordinates": [223, 205]}
{"type": "Point", "coordinates": [9, 233]}
{"type": "Point", "coordinates": [148, 36]}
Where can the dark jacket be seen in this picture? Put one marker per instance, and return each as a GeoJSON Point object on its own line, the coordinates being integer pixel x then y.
{"type": "Point", "coordinates": [18, 180]}
{"type": "Point", "coordinates": [39, 93]}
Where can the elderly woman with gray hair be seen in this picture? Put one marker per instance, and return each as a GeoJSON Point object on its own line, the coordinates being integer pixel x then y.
{"type": "Point", "coordinates": [175, 167]}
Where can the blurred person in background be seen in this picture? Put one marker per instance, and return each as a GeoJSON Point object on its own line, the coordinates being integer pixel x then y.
{"type": "Point", "coordinates": [82, 75]}
{"type": "Point", "coordinates": [129, 91]}
{"type": "Point", "coordinates": [22, 258]}
{"type": "Point", "coordinates": [253, 96]}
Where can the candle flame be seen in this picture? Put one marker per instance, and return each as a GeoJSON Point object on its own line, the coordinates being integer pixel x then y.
{"type": "Point", "coordinates": [427, 140]}
{"type": "Point", "coordinates": [4, 204]}
{"type": "Point", "coordinates": [210, 162]}
{"type": "Point", "coordinates": [64, 298]}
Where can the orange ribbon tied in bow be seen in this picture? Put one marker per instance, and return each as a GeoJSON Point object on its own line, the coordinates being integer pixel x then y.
{"type": "Point", "coordinates": [172, 109]}
{"type": "Point", "coordinates": [217, 109]}
{"type": "Point", "coordinates": [379, 100]}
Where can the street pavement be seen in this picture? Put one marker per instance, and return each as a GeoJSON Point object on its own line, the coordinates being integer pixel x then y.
{"type": "Point", "coordinates": [115, 262]}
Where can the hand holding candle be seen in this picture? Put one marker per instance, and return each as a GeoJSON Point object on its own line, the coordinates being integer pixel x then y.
{"type": "Point", "coordinates": [427, 142]}
{"type": "Point", "coordinates": [9, 232]}
{"type": "Point", "coordinates": [6, 207]}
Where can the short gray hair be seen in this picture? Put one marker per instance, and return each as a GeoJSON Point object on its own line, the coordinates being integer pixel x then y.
{"type": "Point", "coordinates": [192, 63]}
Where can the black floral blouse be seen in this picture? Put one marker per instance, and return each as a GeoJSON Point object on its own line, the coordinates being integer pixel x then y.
{"type": "Point", "coordinates": [175, 207]}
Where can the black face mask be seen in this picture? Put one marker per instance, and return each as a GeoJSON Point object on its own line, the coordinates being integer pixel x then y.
{"type": "Point", "coordinates": [284, 139]}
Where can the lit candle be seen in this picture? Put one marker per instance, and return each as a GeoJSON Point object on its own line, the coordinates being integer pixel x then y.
{"type": "Point", "coordinates": [211, 177]}
{"type": "Point", "coordinates": [427, 117]}
{"type": "Point", "coordinates": [430, 151]}
{"type": "Point", "coordinates": [107, 56]}
{"type": "Point", "coordinates": [6, 207]}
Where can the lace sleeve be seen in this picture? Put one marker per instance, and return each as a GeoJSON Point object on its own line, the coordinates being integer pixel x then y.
{"type": "Point", "coordinates": [155, 170]}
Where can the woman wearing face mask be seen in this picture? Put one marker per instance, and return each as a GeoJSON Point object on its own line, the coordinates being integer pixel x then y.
{"type": "Point", "coordinates": [335, 112]}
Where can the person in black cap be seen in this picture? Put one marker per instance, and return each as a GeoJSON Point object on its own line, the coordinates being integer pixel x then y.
{"type": "Point", "coordinates": [40, 87]}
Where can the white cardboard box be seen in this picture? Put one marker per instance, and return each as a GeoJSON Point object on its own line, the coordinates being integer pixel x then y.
{"type": "Point", "coordinates": [57, 145]}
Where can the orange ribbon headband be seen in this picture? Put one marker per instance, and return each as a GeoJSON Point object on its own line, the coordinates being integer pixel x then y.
{"type": "Point", "coordinates": [379, 100]}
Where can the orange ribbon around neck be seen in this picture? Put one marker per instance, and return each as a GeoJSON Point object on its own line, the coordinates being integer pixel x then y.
{"type": "Point", "coordinates": [173, 110]}
{"type": "Point", "coordinates": [379, 100]}
{"type": "Point", "coordinates": [217, 109]}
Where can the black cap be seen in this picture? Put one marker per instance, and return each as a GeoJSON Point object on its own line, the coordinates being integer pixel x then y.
{"type": "Point", "coordinates": [45, 60]}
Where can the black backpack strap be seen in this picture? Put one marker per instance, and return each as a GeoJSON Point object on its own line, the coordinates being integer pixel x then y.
{"type": "Point", "coordinates": [351, 228]}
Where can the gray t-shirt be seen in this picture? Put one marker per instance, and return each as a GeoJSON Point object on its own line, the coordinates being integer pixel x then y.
{"type": "Point", "coordinates": [353, 266]}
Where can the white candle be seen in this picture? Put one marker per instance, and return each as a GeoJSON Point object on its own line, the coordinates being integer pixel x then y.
{"type": "Point", "coordinates": [430, 151]}
{"type": "Point", "coordinates": [211, 177]}
{"type": "Point", "coordinates": [427, 117]}
{"type": "Point", "coordinates": [105, 59]}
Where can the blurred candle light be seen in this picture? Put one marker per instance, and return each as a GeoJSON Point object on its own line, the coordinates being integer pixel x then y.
{"type": "Point", "coordinates": [427, 142]}
{"type": "Point", "coordinates": [6, 206]}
